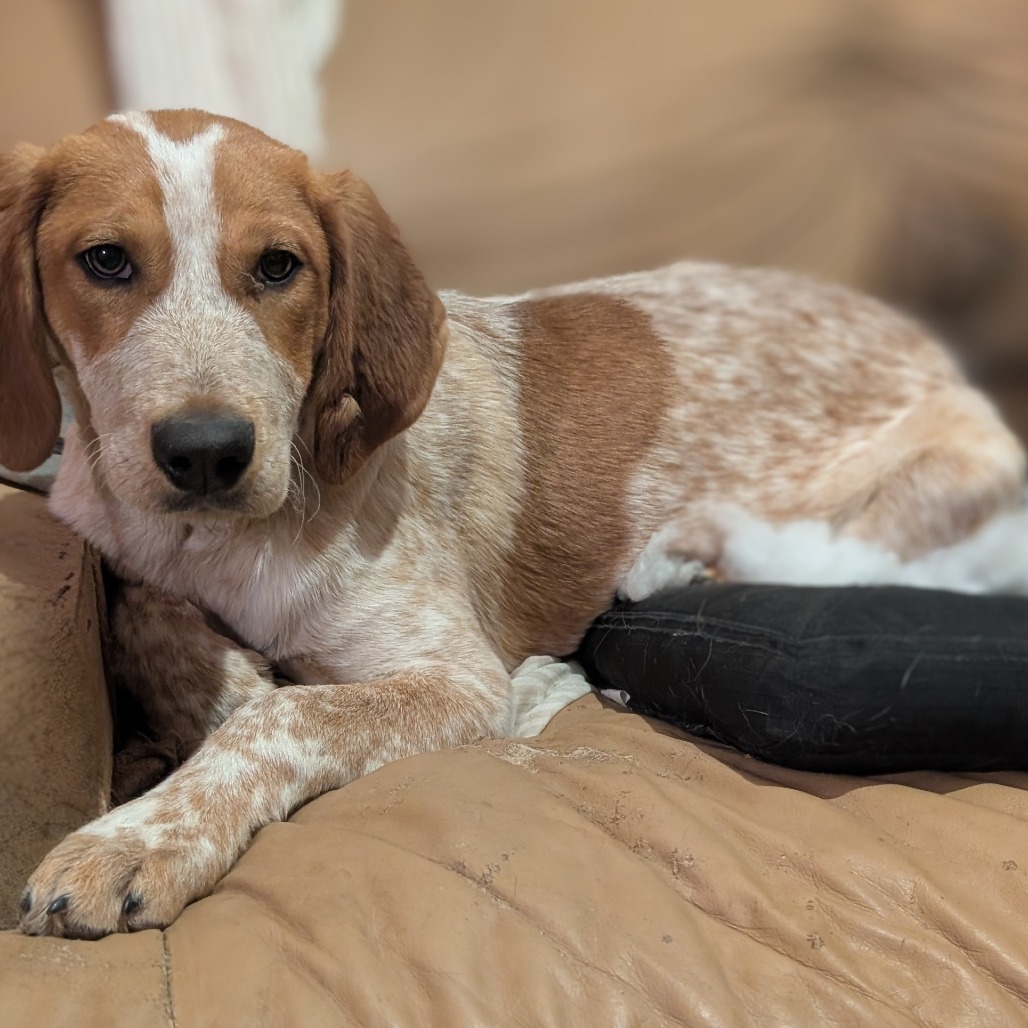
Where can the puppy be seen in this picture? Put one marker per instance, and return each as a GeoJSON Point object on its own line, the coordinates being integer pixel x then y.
{"type": "Point", "coordinates": [298, 455]}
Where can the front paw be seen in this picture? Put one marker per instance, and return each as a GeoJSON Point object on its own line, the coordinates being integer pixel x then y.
{"type": "Point", "coordinates": [112, 876]}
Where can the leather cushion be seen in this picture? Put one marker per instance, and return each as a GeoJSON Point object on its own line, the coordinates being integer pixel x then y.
{"type": "Point", "coordinates": [610, 871]}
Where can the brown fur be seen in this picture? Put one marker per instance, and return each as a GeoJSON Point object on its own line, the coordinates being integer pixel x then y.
{"type": "Point", "coordinates": [30, 409]}
{"type": "Point", "coordinates": [182, 125]}
{"type": "Point", "coordinates": [279, 215]}
{"type": "Point", "coordinates": [183, 700]}
{"type": "Point", "coordinates": [385, 342]}
{"type": "Point", "coordinates": [602, 378]}
{"type": "Point", "coordinates": [102, 191]}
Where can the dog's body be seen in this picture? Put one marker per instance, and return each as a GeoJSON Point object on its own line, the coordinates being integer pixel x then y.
{"type": "Point", "coordinates": [432, 492]}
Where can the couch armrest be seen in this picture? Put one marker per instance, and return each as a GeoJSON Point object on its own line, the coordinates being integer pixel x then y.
{"type": "Point", "coordinates": [55, 724]}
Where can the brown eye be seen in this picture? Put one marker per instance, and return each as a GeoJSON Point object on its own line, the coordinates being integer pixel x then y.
{"type": "Point", "coordinates": [276, 266]}
{"type": "Point", "coordinates": [107, 262]}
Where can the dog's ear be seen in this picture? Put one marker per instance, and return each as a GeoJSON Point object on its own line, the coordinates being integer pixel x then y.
{"type": "Point", "coordinates": [30, 408]}
{"type": "Point", "coordinates": [385, 339]}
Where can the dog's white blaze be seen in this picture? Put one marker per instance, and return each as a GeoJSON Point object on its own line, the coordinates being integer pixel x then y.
{"type": "Point", "coordinates": [214, 339]}
{"type": "Point", "coordinates": [204, 336]}
{"type": "Point", "coordinates": [185, 173]}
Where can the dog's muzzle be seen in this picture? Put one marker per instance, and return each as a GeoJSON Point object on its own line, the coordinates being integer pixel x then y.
{"type": "Point", "coordinates": [203, 452]}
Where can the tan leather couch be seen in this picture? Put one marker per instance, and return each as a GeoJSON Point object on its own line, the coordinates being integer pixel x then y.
{"type": "Point", "coordinates": [612, 871]}
{"type": "Point", "coordinates": [55, 725]}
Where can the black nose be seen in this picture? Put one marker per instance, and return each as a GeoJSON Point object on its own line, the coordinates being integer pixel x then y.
{"type": "Point", "coordinates": [202, 452]}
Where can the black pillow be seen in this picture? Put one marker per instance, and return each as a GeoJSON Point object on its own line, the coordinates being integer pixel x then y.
{"type": "Point", "coordinates": [851, 680]}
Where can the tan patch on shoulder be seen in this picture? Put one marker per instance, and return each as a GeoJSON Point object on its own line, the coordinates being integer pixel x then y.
{"type": "Point", "coordinates": [596, 385]}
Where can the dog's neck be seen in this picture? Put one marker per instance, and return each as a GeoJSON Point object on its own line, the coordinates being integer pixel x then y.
{"type": "Point", "coordinates": [220, 560]}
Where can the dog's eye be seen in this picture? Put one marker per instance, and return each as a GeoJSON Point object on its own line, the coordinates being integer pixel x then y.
{"type": "Point", "coordinates": [107, 261]}
{"type": "Point", "coordinates": [277, 266]}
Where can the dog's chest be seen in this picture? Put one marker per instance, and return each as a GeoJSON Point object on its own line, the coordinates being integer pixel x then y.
{"type": "Point", "coordinates": [270, 593]}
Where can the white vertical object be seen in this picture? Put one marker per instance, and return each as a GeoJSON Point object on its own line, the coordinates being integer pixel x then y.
{"type": "Point", "coordinates": [255, 60]}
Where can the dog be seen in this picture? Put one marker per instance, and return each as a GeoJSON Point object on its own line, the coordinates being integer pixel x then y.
{"type": "Point", "coordinates": [303, 462]}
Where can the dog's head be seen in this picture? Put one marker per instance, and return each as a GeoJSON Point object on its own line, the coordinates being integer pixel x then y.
{"type": "Point", "coordinates": [213, 296]}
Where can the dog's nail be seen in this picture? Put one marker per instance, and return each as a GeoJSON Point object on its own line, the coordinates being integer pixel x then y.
{"type": "Point", "coordinates": [132, 903]}
{"type": "Point", "coordinates": [26, 901]}
{"type": "Point", "coordinates": [58, 906]}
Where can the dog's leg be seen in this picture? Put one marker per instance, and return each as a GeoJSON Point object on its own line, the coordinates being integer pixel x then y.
{"type": "Point", "coordinates": [931, 479]}
{"type": "Point", "coordinates": [139, 865]}
{"type": "Point", "coordinates": [186, 676]}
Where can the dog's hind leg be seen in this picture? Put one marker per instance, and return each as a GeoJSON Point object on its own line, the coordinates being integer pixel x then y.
{"type": "Point", "coordinates": [930, 479]}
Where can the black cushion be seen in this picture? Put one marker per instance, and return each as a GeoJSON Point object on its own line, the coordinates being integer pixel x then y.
{"type": "Point", "coordinates": [852, 680]}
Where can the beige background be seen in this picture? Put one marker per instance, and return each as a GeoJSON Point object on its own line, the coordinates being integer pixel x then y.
{"type": "Point", "coordinates": [884, 144]}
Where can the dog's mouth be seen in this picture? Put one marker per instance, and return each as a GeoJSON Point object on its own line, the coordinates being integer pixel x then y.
{"type": "Point", "coordinates": [225, 505]}
{"type": "Point", "coordinates": [257, 496]}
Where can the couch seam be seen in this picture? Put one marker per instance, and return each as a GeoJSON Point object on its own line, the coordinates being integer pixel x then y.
{"type": "Point", "coordinates": [169, 1004]}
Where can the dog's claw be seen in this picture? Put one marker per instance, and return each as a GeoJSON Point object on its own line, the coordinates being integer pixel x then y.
{"type": "Point", "coordinates": [57, 906]}
{"type": "Point", "coordinates": [115, 879]}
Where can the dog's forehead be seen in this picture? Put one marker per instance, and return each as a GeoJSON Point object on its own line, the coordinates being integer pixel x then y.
{"type": "Point", "coordinates": [179, 156]}
{"type": "Point", "coordinates": [106, 162]}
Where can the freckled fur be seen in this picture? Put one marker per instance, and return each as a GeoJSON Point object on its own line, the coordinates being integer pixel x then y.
{"type": "Point", "coordinates": [443, 486]}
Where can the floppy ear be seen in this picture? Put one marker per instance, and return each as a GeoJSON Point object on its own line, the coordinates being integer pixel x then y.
{"type": "Point", "coordinates": [385, 339]}
{"type": "Point", "coordinates": [30, 409]}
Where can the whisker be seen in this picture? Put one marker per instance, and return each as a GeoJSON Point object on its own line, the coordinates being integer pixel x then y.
{"type": "Point", "coordinates": [298, 485]}
{"type": "Point", "coordinates": [313, 480]}
{"type": "Point", "coordinates": [298, 498]}
{"type": "Point", "coordinates": [94, 449]}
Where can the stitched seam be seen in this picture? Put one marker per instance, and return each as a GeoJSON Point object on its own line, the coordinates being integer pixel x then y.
{"type": "Point", "coordinates": [741, 632]}
{"type": "Point", "coordinates": [169, 1003]}
{"type": "Point", "coordinates": [563, 947]}
{"type": "Point", "coordinates": [637, 619]}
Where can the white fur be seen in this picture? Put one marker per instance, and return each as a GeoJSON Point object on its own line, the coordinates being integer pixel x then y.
{"type": "Point", "coordinates": [994, 560]}
{"type": "Point", "coordinates": [657, 567]}
{"type": "Point", "coordinates": [185, 172]}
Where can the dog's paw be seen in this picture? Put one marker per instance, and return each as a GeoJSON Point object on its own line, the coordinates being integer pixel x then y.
{"type": "Point", "coordinates": [113, 876]}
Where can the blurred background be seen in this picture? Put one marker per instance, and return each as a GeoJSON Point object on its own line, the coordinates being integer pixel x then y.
{"type": "Point", "coordinates": [881, 143]}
